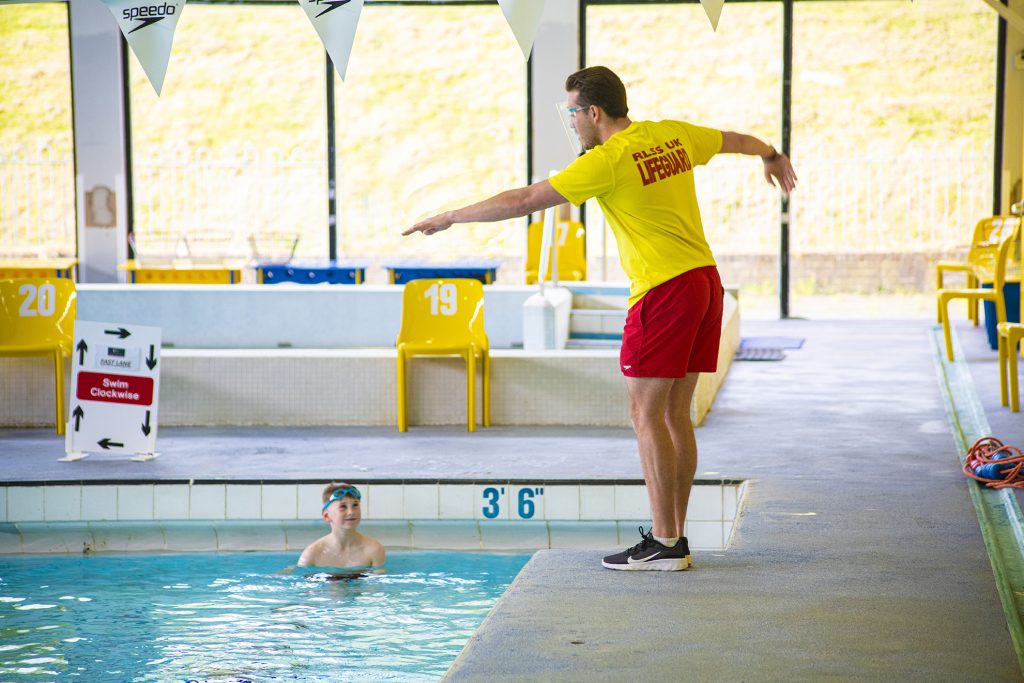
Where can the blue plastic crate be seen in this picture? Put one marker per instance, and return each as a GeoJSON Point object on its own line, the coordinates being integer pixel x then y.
{"type": "Point", "coordinates": [311, 272]}
{"type": "Point", "coordinates": [1011, 295]}
{"type": "Point", "coordinates": [485, 271]}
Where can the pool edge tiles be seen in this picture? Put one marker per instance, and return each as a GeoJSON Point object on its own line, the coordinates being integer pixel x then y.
{"type": "Point", "coordinates": [498, 515]}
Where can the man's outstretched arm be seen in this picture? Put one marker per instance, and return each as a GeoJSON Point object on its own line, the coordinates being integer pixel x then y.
{"type": "Point", "coordinates": [508, 204]}
{"type": "Point", "coordinates": [776, 164]}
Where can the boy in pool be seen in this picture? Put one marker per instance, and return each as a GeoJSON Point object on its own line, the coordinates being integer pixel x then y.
{"type": "Point", "coordinates": [344, 546]}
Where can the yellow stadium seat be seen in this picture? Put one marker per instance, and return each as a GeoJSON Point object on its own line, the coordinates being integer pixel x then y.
{"type": "Point", "coordinates": [37, 318]}
{"type": "Point", "coordinates": [981, 253]}
{"type": "Point", "coordinates": [974, 294]}
{"type": "Point", "coordinates": [572, 249]}
{"type": "Point", "coordinates": [445, 317]}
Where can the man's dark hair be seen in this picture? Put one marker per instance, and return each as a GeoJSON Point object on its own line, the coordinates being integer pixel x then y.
{"type": "Point", "coordinates": [599, 85]}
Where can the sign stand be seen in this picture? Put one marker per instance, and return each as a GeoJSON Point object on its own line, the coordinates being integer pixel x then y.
{"type": "Point", "coordinates": [115, 387]}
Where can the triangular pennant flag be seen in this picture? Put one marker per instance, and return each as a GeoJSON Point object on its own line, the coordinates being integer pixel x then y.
{"type": "Point", "coordinates": [335, 22]}
{"type": "Point", "coordinates": [148, 26]}
{"type": "Point", "coordinates": [524, 18]}
{"type": "Point", "coordinates": [713, 8]}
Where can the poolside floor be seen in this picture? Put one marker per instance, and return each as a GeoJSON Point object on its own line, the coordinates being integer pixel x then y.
{"type": "Point", "coordinates": [857, 555]}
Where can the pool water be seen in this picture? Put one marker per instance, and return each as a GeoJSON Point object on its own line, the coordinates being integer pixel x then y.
{"type": "Point", "coordinates": [236, 617]}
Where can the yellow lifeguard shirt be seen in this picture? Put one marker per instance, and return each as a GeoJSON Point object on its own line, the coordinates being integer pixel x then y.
{"type": "Point", "coordinates": [643, 179]}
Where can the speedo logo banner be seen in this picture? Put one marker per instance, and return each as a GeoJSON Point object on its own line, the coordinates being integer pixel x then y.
{"type": "Point", "coordinates": [148, 26]}
{"type": "Point", "coordinates": [523, 17]}
{"type": "Point", "coordinates": [335, 22]}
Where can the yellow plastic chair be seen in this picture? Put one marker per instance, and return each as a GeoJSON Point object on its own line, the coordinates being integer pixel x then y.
{"type": "Point", "coordinates": [445, 317]}
{"type": "Point", "coordinates": [37, 318]}
{"type": "Point", "coordinates": [1010, 336]}
{"type": "Point", "coordinates": [980, 255]}
{"type": "Point", "coordinates": [974, 294]}
{"type": "Point", "coordinates": [572, 250]}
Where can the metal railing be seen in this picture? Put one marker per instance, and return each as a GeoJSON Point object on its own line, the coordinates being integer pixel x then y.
{"type": "Point", "coordinates": [847, 200]}
{"type": "Point", "coordinates": [221, 200]}
{"type": "Point", "coordinates": [37, 201]}
{"type": "Point", "coordinates": [917, 199]}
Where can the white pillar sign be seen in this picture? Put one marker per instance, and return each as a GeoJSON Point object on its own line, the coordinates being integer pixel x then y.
{"type": "Point", "coordinates": [115, 387]}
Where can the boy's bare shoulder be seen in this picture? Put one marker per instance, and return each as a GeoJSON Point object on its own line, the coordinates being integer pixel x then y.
{"type": "Point", "coordinates": [374, 550]}
{"type": "Point", "coordinates": [313, 551]}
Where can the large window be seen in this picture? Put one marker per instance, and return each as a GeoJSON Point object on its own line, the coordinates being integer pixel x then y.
{"type": "Point", "coordinates": [232, 155]}
{"type": "Point", "coordinates": [892, 130]}
{"type": "Point", "coordinates": [37, 194]}
{"type": "Point", "coordinates": [892, 119]}
{"type": "Point", "coordinates": [431, 116]}
{"type": "Point", "coordinates": [675, 66]}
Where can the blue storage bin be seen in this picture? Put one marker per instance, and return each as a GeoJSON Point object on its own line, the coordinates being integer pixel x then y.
{"type": "Point", "coordinates": [311, 272]}
{"type": "Point", "coordinates": [401, 272]}
{"type": "Point", "coordinates": [1011, 295]}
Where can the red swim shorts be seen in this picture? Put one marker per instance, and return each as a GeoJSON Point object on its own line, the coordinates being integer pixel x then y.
{"type": "Point", "coordinates": [675, 327]}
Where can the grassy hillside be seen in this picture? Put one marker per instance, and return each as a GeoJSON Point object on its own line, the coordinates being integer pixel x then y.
{"type": "Point", "coordinates": [35, 83]}
{"type": "Point", "coordinates": [864, 71]}
{"type": "Point", "coordinates": [420, 123]}
{"type": "Point", "coordinates": [432, 111]}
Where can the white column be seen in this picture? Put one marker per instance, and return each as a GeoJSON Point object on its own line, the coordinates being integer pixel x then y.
{"type": "Point", "coordinates": [555, 56]}
{"type": "Point", "coordinates": [98, 93]}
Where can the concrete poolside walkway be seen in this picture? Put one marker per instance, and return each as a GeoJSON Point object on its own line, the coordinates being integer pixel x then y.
{"type": "Point", "coordinates": [857, 555]}
{"type": "Point", "coordinates": [343, 453]}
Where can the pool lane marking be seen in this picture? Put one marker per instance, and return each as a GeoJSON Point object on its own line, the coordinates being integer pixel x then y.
{"type": "Point", "coordinates": [999, 516]}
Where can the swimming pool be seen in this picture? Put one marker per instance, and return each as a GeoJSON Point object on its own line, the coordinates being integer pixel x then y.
{"type": "Point", "coordinates": [234, 617]}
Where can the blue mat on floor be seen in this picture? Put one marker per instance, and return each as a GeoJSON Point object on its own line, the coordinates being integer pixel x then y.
{"type": "Point", "coordinates": [771, 342]}
{"type": "Point", "coordinates": [759, 354]}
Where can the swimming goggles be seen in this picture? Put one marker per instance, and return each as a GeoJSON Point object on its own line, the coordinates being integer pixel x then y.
{"type": "Point", "coordinates": [341, 493]}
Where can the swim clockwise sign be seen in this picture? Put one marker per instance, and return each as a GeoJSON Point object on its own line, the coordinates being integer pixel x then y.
{"type": "Point", "coordinates": [115, 390]}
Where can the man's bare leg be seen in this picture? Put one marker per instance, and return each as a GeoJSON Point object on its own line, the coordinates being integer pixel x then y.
{"type": "Point", "coordinates": [680, 428]}
{"type": "Point", "coordinates": [648, 403]}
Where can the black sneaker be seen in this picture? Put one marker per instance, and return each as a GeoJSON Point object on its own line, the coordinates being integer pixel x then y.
{"type": "Point", "coordinates": [650, 555]}
{"type": "Point", "coordinates": [684, 546]}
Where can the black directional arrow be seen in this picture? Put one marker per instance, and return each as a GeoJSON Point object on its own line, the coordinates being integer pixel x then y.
{"type": "Point", "coordinates": [107, 443]}
{"type": "Point", "coordinates": [119, 332]}
{"type": "Point", "coordinates": [82, 348]}
{"type": "Point", "coordinates": [151, 361]}
{"type": "Point", "coordinates": [78, 413]}
{"type": "Point", "coordinates": [145, 425]}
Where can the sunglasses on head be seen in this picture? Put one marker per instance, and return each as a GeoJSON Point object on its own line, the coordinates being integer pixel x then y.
{"type": "Point", "coordinates": [341, 493]}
